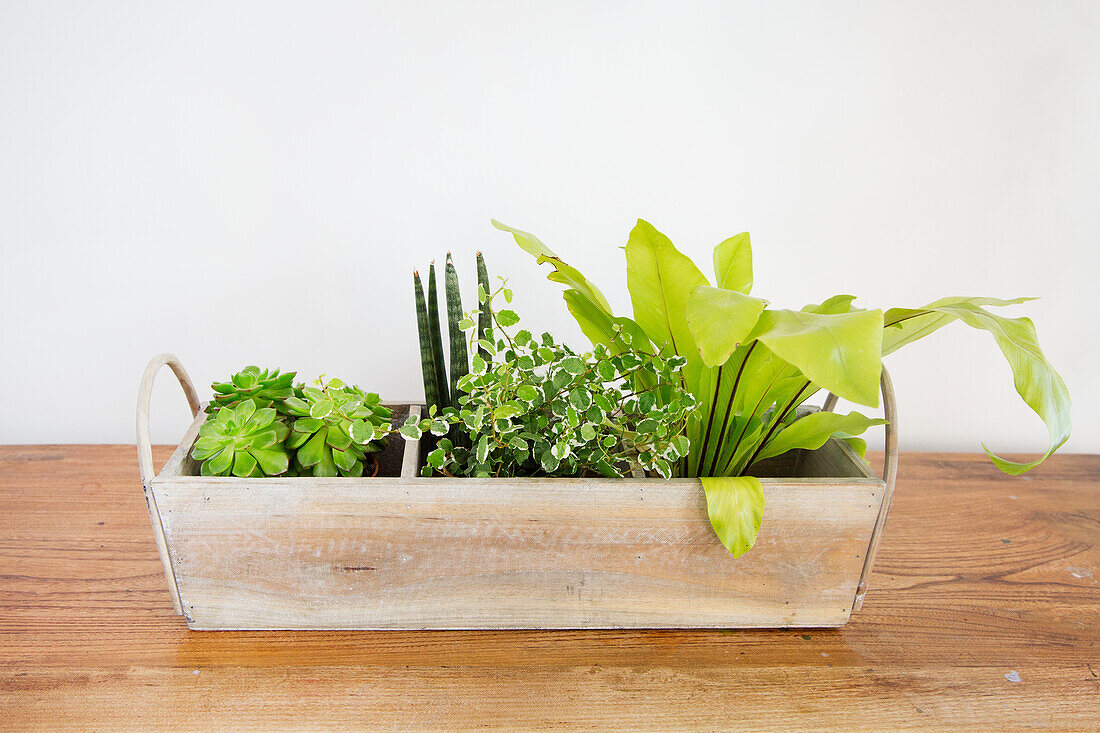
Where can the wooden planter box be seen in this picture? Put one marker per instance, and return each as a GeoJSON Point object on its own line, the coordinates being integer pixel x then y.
{"type": "Point", "coordinates": [402, 552]}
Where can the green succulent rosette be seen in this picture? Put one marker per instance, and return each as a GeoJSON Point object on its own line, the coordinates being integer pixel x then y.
{"type": "Point", "coordinates": [335, 428]}
{"type": "Point", "coordinates": [244, 441]}
{"type": "Point", "coordinates": [265, 388]}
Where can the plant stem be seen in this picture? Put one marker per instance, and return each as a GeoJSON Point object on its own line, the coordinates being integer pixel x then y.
{"type": "Point", "coordinates": [750, 415]}
{"type": "Point", "coordinates": [776, 423]}
{"type": "Point", "coordinates": [710, 415]}
{"type": "Point", "coordinates": [729, 406]}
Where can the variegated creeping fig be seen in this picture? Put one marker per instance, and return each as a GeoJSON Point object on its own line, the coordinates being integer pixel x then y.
{"type": "Point", "coordinates": [749, 366]}
{"type": "Point", "coordinates": [527, 406]}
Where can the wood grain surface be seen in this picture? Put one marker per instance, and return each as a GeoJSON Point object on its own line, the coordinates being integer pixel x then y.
{"type": "Point", "coordinates": [511, 553]}
{"type": "Point", "coordinates": [981, 580]}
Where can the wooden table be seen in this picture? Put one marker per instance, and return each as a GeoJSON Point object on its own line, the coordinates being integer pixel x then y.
{"type": "Point", "coordinates": [983, 613]}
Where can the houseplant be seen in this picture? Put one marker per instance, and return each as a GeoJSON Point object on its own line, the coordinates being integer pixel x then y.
{"type": "Point", "coordinates": [750, 366]}
{"type": "Point", "coordinates": [551, 551]}
{"type": "Point", "coordinates": [534, 407]}
{"type": "Point", "coordinates": [259, 420]}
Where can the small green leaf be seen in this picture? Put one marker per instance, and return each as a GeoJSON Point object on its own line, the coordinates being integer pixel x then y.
{"type": "Point", "coordinates": [272, 461]}
{"type": "Point", "coordinates": [412, 432]}
{"type": "Point", "coordinates": [561, 378]}
{"type": "Point", "coordinates": [580, 398]}
{"type": "Point", "coordinates": [859, 445]}
{"type": "Point", "coordinates": [563, 273]}
{"type": "Point", "coordinates": [244, 412]}
{"type": "Point", "coordinates": [343, 459]}
{"type": "Point", "coordinates": [307, 425]}
{"type": "Point", "coordinates": [296, 439]}
{"type": "Point", "coordinates": [507, 318]}
{"type": "Point", "coordinates": [221, 462]}
{"type": "Point", "coordinates": [338, 439]}
{"type": "Point", "coordinates": [243, 464]}
{"type": "Point", "coordinates": [573, 365]}
{"type": "Point", "coordinates": [549, 461]}
{"type": "Point", "coordinates": [312, 452]}
{"type": "Point", "coordinates": [326, 466]}
{"type": "Point", "coordinates": [436, 458]}
{"type": "Point", "coordinates": [361, 431]}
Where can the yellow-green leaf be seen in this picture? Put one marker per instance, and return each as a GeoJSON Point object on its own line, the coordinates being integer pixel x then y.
{"type": "Point", "coordinates": [661, 279]}
{"type": "Point", "coordinates": [735, 505]}
{"type": "Point", "coordinates": [839, 352]}
{"type": "Point", "coordinates": [1036, 381]}
{"type": "Point", "coordinates": [733, 263]}
{"type": "Point", "coordinates": [720, 320]}
{"type": "Point", "coordinates": [814, 430]}
{"type": "Point", "coordinates": [563, 272]}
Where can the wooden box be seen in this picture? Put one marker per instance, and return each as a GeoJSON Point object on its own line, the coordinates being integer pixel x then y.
{"type": "Point", "coordinates": [402, 552]}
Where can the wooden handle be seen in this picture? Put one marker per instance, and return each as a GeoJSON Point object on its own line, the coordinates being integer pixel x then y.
{"type": "Point", "coordinates": [890, 408]}
{"type": "Point", "coordinates": [144, 447]}
{"type": "Point", "coordinates": [145, 457]}
{"type": "Point", "coordinates": [889, 477]}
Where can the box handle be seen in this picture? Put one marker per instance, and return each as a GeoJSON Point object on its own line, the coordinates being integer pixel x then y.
{"type": "Point", "coordinates": [144, 447]}
{"type": "Point", "coordinates": [889, 477]}
{"type": "Point", "coordinates": [145, 457]}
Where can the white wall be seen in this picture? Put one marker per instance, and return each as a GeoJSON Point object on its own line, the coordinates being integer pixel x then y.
{"type": "Point", "coordinates": [254, 182]}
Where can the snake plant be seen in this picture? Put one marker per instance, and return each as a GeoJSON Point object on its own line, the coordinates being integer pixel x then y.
{"type": "Point", "coordinates": [441, 384]}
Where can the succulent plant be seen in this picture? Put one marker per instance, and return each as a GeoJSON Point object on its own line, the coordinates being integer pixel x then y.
{"type": "Point", "coordinates": [336, 427]}
{"type": "Point", "coordinates": [242, 440]}
{"type": "Point", "coordinates": [260, 386]}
